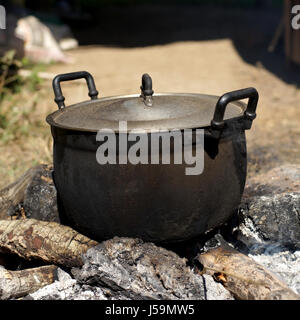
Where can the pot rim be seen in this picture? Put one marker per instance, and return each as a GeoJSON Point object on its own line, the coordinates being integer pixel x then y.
{"type": "Point", "coordinates": [51, 117]}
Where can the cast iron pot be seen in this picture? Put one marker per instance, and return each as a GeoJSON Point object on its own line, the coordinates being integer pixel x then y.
{"type": "Point", "coordinates": [155, 202]}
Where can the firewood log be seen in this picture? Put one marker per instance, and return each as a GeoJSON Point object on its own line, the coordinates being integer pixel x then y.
{"type": "Point", "coordinates": [15, 284]}
{"type": "Point", "coordinates": [33, 196]}
{"type": "Point", "coordinates": [243, 277]}
{"type": "Point", "coordinates": [48, 241]}
{"type": "Point", "coordinates": [14, 194]}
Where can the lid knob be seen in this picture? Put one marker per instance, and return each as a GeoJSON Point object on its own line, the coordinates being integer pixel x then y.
{"type": "Point", "coordinates": [146, 90]}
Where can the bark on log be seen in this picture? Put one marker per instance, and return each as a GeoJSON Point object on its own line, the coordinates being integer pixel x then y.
{"type": "Point", "coordinates": [14, 194]}
{"type": "Point", "coordinates": [48, 241]}
{"type": "Point", "coordinates": [126, 268]}
{"type": "Point", "coordinates": [33, 196]}
{"type": "Point", "coordinates": [16, 284]}
{"type": "Point", "coordinates": [243, 277]}
{"type": "Point", "coordinates": [40, 200]}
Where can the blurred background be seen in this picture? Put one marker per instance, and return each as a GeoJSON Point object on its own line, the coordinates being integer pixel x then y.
{"type": "Point", "coordinates": [197, 46]}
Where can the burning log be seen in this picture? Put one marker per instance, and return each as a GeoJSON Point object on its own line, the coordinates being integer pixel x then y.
{"type": "Point", "coordinates": [243, 277]}
{"type": "Point", "coordinates": [16, 284]}
{"type": "Point", "coordinates": [48, 241]}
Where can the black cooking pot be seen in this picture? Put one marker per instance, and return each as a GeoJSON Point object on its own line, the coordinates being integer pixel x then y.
{"type": "Point", "coordinates": [156, 202]}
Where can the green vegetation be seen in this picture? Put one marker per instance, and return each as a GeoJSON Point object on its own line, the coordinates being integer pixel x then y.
{"type": "Point", "coordinates": [10, 80]}
{"type": "Point", "coordinates": [25, 138]}
{"type": "Point", "coordinates": [8, 73]}
{"type": "Point", "coordinates": [15, 93]}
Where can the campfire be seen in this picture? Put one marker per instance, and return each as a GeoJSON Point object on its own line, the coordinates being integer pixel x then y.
{"type": "Point", "coordinates": [250, 257]}
{"type": "Point", "coordinates": [146, 194]}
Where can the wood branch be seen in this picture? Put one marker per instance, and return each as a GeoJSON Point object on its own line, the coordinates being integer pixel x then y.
{"type": "Point", "coordinates": [243, 277]}
{"type": "Point", "coordinates": [14, 194]}
{"type": "Point", "coordinates": [48, 241]}
{"type": "Point", "coordinates": [15, 284]}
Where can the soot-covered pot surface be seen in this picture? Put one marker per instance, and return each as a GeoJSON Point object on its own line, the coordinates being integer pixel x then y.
{"type": "Point", "coordinates": [154, 196]}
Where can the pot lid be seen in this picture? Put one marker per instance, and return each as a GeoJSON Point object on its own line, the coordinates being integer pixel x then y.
{"type": "Point", "coordinates": [148, 111]}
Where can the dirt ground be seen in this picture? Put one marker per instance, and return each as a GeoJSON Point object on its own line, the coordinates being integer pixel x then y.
{"type": "Point", "coordinates": [212, 66]}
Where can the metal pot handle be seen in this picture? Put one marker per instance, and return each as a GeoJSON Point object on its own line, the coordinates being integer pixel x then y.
{"type": "Point", "coordinates": [59, 98]}
{"type": "Point", "coordinates": [217, 124]}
